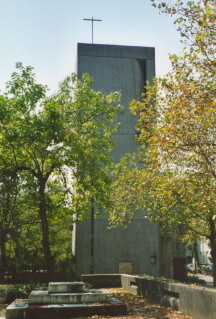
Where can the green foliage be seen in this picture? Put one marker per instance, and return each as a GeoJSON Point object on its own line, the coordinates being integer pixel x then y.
{"type": "Point", "coordinates": [177, 126]}
{"type": "Point", "coordinates": [177, 134]}
{"type": "Point", "coordinates": [189, 279]}
{"type": "Point", "coordinates": [195, 280]}
{"type": "Point", "coordinates": [57, 148]}
{"type": "Point", "coordinates": [88, 286]}
{"type": "Point", "coordinates": [13, 292]}
{"type": "Point", "coordinates": [157, 278]}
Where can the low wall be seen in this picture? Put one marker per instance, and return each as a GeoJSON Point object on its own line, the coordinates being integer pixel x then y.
{"type": "Point", "coordinates": [102, 281]}
{"type": "Point", "coordinates": [197, 302]}
{"type": "Point", "coordinates": [27, 277]}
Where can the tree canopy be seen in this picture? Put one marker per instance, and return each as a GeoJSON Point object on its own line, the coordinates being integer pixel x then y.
{"type": "Point", "coordinates": [176, 179]}
{"type": "Point", "coordinates": [58, 147]}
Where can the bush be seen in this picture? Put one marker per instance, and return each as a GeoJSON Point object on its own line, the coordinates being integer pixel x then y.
{"type": "Point", "coordinates": [188, 280]}
{"type": "Point", "coordinates": [20, 291]}
{"type": "Point", "coordinates": [195, 280]}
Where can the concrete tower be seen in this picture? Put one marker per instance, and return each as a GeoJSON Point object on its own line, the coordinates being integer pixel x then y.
{"type": "Point", "coordinates": [136, 249]}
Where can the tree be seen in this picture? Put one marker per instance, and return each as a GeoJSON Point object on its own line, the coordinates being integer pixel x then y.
{"type": "Point", "coordinates": [8, 211]}
{"type": "Point", "coordinates": [177, 134]}
{"type": "Point", "coordinates": [65, 136]}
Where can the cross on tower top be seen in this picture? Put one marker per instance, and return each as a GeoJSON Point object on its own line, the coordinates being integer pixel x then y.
{"type": "Point", "coordinates": [92, 20]}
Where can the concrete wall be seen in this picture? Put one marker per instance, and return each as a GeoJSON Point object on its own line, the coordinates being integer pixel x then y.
{"type": "Point", "coordinates": [197, 302]}
{"type": "Point", "coordinates": [119, 68]}
{"type": "Point", "coordinates": [102, 281]}
{"type": "Point", "coordinates": [124, 69]}
{"type": "Point", "coordinates": [111, 246]}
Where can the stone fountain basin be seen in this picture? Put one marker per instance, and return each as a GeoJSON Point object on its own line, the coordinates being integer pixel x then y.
{"type": "Point", "coordinates": [44, 297]}
{"type": "Point", "coordinates": [20, 309]}
{"type": "Point", "coordinates": [56, 287]}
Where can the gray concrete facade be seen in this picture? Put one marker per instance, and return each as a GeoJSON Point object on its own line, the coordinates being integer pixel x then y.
{"type": "Point", "coordinates": [125, 69]}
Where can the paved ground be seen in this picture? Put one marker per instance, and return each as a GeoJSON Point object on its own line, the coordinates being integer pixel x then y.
{"type": "Point", "coordinates": [208, 280]}
{"type": "Point", "coordinates": [138, 307]}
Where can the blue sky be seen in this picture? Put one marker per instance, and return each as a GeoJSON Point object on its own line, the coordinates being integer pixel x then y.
{"type": "Point", "coordinates": [44, 33]}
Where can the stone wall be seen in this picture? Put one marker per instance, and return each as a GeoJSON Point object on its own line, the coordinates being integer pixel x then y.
{"type": "Point", "coordinates": [197, 302]}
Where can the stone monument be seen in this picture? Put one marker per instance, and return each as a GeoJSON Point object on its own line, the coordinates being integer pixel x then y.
{"type": "Point", "coordinates": [64, 300]}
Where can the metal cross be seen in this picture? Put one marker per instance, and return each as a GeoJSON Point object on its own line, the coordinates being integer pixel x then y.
{"type": "Point", "coordinates": [92, 20]}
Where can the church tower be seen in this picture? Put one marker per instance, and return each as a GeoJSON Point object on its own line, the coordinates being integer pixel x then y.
{"type": "Point", "coordinates": [136, 249]}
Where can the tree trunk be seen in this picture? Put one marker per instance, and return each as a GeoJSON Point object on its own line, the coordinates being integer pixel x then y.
{"type": "Point", "coordinates": [213, 254]}
{"type": "Point", "coordinates": [49, 259]}
{"type": "Point", "coordinates": [197, 264]}
{"type": "Point", "coordinates": [3, 266]}
{"type": "Point", "coordinates": [213, 249]}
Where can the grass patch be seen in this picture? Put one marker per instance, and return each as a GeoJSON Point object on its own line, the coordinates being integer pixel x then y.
{"type": "Point", "coordinates": [12, 292]}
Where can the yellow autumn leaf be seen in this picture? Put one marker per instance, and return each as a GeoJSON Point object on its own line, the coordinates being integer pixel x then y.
{"type": "Point", "coordinates": [208, 10]}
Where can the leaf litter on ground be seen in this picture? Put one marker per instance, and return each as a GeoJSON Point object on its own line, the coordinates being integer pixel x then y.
{"type": "Point", "coordinates": [141, 308]}
{"type": "Point", "coordinates": [137, 307]}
